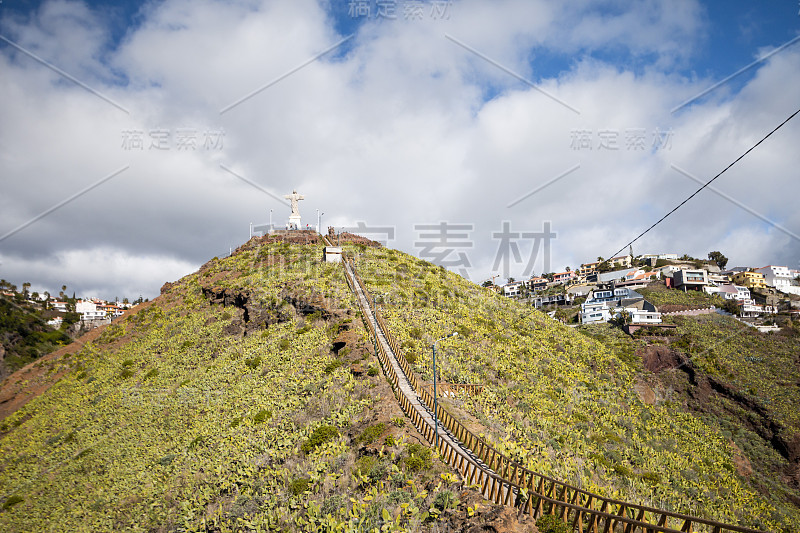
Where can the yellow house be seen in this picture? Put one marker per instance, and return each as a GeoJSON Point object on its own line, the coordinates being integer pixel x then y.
{"type": "Point", "coordinates": [623, 261]}
{"type": "Point", "coordinates": [587, 269]}
{"type": "Point", "coordinates": [750, 279]}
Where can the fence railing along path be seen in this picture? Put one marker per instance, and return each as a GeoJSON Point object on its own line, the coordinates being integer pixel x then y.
{"type": "Point", "coordinates": [499, 478]}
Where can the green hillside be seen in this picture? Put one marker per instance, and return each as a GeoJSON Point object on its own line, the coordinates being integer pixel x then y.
{"type": "Point", "coordinates": [24, 334]}
{"type": "Point", "coordinates": [575, 404]}
{"type": "Point", "coordinates": [243, 397]}
{"type": "Point", "coordinates": [246, 397]}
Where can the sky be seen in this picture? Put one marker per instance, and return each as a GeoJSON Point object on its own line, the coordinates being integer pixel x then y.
{"type": "Point", "coordinates": [507, 137]}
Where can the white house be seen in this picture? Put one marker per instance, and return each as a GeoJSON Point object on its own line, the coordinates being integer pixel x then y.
{"type": "Point", "coordinates": [749, 308]}
{"type": "Point", "coordinates": [592, 312]}
{"type": "Point", "coordinates": [604, 311]}
{"type": "Point", "coordinates": [643, 316]}
{"type": "Point", "coordinates": [668, 257]}
{"type": "Point", "coordinates": [604, 304]}
{"type": "Point", "coordinates": [779, 277]}
{"type": "Point", "coordinates": [88, 310]}
{"type": "Point", "coordinates": [512, 289]}
{"type": "Point", "coordinates": [690, 279]}
{"type": "Point", "coordinates": [729, 292]}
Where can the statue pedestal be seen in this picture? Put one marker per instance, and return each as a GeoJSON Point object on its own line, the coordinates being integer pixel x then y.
{"type": "Point", "coordinates": [294, 222]}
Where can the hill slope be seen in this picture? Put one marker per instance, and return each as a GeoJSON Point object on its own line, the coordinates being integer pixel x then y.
{"type": "Point", "coordinates": [244, 396]}
{"type": "Point", "coordinates": [570, 406]}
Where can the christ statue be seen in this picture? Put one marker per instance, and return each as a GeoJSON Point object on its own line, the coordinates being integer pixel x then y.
{"type": "Point", "coordinates": [294, 218]}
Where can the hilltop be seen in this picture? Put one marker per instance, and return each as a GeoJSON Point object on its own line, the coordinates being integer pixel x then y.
{"type": "Point", "coordinates": [248, 394]}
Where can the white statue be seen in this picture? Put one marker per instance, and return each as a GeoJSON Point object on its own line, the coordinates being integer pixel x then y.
{"type": "Point", "coordinates": [294, 218]}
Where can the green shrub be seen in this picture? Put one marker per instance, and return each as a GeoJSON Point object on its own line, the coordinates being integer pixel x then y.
{"type": "Point", "coordinates": [318, 437]}
{"type": "Point", "coordinates": [126, 373]}
{"type": "Point", "coordinates": [371, 433]}
{"type": "Point", "coordinates": [253, 362]}
{"type": "Point", "coordinates": [127, 362]}
{"type": "Point", "coordinates": [399, 496]}
{"type": "Point", "coordinates": [333, 504]}
{"type": "Point", "coordinates": [372, 468]}
{"type": "Point", "coordinates": [365, 464]}
{"type": "Point", "coordinates": [551, 524]}
{"type": "Point", "coordinates": [622, 470]}
{"type": "Point", "coordinates": [372, 371]}
{"type": "Point", "coordinates": [226, 315]}
{"type": "Point", "coordinates": [418, 458]}
{"type": "Point", "coordinates": [411, 358]}
{"type": "Point", "coordinates": [262, 416]}
{"type": "Point", "coordinates": [284, 344]}
{"type": "Point", "coordinates": [236, 421]}
{"type": "Point", "coordinates": [12, 501]}
{"type": "Point", "coordinates": [333, 365]}
{"type": "Point", "coordinates": [167, 459]}
{"type": "Point", "coordinates": [651, 477]}
{"type": "Point", "coordinates": [398, 421]}
{"type": "Point", "coordinates": [153, 372]}
{"type": "Point", "coordinates": [299, 485]}
{"type": "Point", "coordinates": [445, 500]}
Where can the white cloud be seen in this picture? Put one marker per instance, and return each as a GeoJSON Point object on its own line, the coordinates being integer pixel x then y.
{"type": "Point", "coordinates": [392, 129]}
{"type": "Point", "coordinates": [101, 272]}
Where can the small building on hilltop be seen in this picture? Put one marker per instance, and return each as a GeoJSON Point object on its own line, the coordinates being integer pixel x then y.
{"type": "Point", "coordinates": [332, 254]}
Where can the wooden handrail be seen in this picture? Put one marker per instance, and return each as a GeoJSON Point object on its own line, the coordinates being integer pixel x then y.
{"type": "Point", "coordinates": [501, 487]}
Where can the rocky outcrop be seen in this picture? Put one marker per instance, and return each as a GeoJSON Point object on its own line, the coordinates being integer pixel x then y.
{"type": "Point", "coordinates": [255, 316]}
{"type": "Point", "coordinates": [659, 358]}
